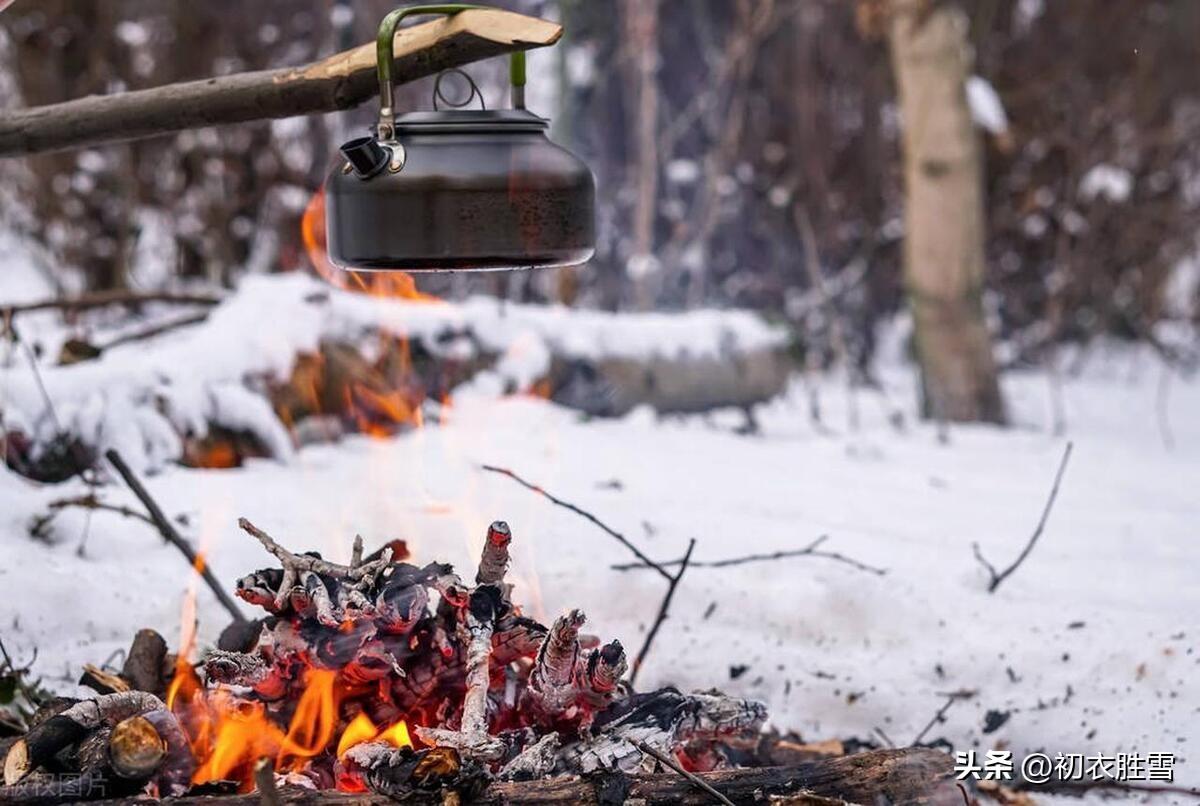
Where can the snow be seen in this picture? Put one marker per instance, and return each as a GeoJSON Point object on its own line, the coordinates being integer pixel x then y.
{"type": "Point", "coordinates": [987, 110]}
{"type": "Point", "coordinates": [1113, 183]}
{"type": "Point", "coordinates": [186, 377]}
{"type": "Point", "coordinates": [1090, 644]}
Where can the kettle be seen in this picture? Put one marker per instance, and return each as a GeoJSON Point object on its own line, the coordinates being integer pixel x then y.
{"type": "Point", "coordinates": [457, 189]}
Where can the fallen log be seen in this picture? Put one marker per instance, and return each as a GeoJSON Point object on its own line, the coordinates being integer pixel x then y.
{"type": "Point", "coordinates": [338, 82]}
{"type": "Point", "coordinates": [898, 777]}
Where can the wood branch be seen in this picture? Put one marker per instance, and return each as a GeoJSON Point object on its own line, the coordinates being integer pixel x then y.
{"type": "Point", "coordinates": [341, 81]}
{"type": "Point", "coordinates": [613, 533]}
{"type": "Point", "coordinates": [100, 299]}
{"type": "Point", "coordinates": [662, 612]}
{"type": "Point", "coordinates": [146, 663]}
{"type": "Point", "coordinates": [811, 550]}
{"type": "Point", "coordinates": [996, 577]}
{"type": "Point", "coordinates": [898, 777]}
{"type": "Point", "coordinates": [171, 534]}
{"type": "Point", "coordinates": [696, 780]}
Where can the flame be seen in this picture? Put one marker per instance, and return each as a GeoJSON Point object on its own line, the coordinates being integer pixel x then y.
{"type": "Point", "coordinates": [381, 414]}
{"type": "Point", "coordinates": [218, 454]}
{"type": "Point", "coordinates": [242, 734]}
{"type": "Point", "coordinates": [391, 284]}
{"type": "Point", "coordinates": [314, 722]}
{"type": "Point", "coordinates": [362, 730]}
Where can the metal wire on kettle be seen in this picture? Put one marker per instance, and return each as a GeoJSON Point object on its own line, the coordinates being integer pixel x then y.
{"type": "Point", "coordinates": [438, 95]}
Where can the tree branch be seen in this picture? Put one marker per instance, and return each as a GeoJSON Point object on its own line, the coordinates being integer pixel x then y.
{"type": "Point", "coordinates": [664, 573]}
{"type": "Point", "coordinates": [341, 81]}
{"type": "Point", "coordinates": [171, 535]}
{"type": "Point", "coordinates": [808, 551]}
{"type": "Point", "coordinates": [662, 612]}
{"type": "Point", "coordinates": [996, 577]}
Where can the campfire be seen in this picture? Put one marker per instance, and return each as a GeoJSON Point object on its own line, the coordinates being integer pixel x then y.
{"type": "Point", "coordinates": [385, 676]}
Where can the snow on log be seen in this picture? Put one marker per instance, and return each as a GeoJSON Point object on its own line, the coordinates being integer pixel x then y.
{"type": "Point", "coordinates": [177, 396]}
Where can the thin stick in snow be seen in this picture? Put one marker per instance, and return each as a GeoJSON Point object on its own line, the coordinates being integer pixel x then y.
{"type": "Point", "coordinates": [624, 541]}
{"type": "Point", "coordinates": [808, 551]}
{"type": "Point", "coordinates": [662, 612]}
{"type": "Point", "coordinates": [996, 577]}
{"type": "Point", "coordinates": [172, 536]}
{"type": "Point", "coordinates": [951, 698]}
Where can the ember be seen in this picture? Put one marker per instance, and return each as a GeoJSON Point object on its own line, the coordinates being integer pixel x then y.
{"type": "Point", "coordinates": [351, 658]}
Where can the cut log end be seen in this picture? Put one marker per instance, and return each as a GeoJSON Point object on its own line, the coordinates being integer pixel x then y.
{"type": "Point", "coordinates": [135, 749]}
{"type": "Point", "coordinates": [17, 763]}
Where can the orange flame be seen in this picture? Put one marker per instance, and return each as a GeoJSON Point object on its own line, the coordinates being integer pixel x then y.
{"type": "Point", "coordinates": [393, 284]}
{"type": "Point", "coordinates": [314, 722]}
{"type": "Point", "coordinates": [363, 730]}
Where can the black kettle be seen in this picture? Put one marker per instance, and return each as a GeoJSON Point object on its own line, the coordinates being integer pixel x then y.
{"type": "Point", "coordinates": [457, 189]}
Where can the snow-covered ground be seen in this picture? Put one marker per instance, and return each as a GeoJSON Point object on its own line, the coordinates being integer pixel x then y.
{"type": "Point", "coordinates": [1091, 644]}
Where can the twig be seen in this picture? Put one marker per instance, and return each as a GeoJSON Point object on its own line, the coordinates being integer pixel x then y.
{"type": "Point", "coordinates": [99, 299]}
{"type": "Point", "coordinates": [662, 612]}
{"type": "Point", "coordinates": [19, 676]}
{"type": "Point", "coordinates": [695, 780]}
{"type": "Point", "coordinates": [360, 575]}
{"type": "Point", "coordinates": [837, 327]}
{"type": "Point", "coordinates": [90, 501]}
{"type": "Point", "coordinates": [264, 781]}
{"type": "Point", "coordinates": [999, 576]}
{"type": "Point", "coordinates": [951, 698]}
{"type": "Point", "coordinates": [156, 330]}
{"type": "Point", "coordinates": [171, 535]}
{"type": "Point", "coordinates": [664, 573]}
{"type": "Point", "coordinates": [808, 551]}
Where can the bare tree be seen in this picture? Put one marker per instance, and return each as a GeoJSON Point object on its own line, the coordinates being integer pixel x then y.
{"type": "Point", "coordinates": [944, 220]}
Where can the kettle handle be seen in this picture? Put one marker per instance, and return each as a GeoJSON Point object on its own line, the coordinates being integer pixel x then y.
{"type": "Point", "coordinates": [386, 129]}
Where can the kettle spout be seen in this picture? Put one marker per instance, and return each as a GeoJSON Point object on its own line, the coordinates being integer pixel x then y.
{"type": "Point", "coordinates": [366, 156]}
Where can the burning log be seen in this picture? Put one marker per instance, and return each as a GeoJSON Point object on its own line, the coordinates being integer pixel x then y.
{"type": "Point", "coordinates": [902, 777]}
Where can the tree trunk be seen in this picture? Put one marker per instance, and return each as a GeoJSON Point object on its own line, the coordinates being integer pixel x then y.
{"type": "Point", "coordinates": [944, 221]}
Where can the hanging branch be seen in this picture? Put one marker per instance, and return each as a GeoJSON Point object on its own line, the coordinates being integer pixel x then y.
{"type": "Point", "coordinates": [662, 612]}
{"type": "Point", "coordinates": [808, 551]}
{"type": "Point", "coordinates": [996, 577]}
{"type": "Point", "coordinates": [341, 81]}
{"type": "Point", "coordinates": [172, 536]}
{"type": "Point", "coordinates": [646, 561]}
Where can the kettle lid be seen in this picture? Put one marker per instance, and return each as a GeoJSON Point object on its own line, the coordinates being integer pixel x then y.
{"type": "Point", "coordinates": [446, 121]}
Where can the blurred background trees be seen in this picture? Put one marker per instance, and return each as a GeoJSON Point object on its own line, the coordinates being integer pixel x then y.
{"type": "Point", "coordinates": [748, 152]}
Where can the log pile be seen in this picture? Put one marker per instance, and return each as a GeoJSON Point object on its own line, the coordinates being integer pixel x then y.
{"type": "Point", "coordinates": [397, 681]}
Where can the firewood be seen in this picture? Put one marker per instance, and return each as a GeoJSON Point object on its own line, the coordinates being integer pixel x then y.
{"type": "Point", "coordinates": [899, 777]}
{"type": "Point", "coordinates": [494, 562]}
{"type": "Point", "coordinates": [341, 81]}
{"type": "Point", "coordinates": [100, 681]}
{"type": "Point", "coordinates": [135, 748]}
{"type": "Point", "coordinates": [145, 665]}
{"type": "Point", "coordinates": [71, 726]}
